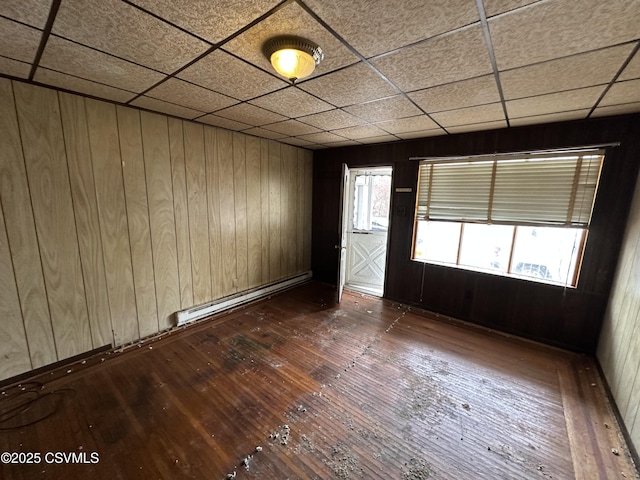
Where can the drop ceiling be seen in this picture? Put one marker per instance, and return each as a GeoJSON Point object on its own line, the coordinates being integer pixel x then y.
{"type": "Point", "coordinates": [392, 70]}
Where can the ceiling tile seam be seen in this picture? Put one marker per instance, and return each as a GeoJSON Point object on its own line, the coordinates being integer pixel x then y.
{"type": "Point", "coordinates": [15, 60]}
{"type": "Point", "coordinates": [53, 12]}
{"type": "Point", "coordinates": [521, 7]}
{"type": "Point", "coordinates": [362, 58]}
{"type": "Point", "coordinates": [168, 22]}
{"type": "Point", "coordinates": [424, 40]}
{"type": "Point", "coordinates": [423, 89]}
{"type": "Point", "coordinates": [218, 45]}
{"type": "Point", "coordinates": [554, 92]}
{"type": "Point", "coordinates": [551, 113]}
{"type": "Point", "coordinates": [19, 22]}
{"type": "Point", "coordinates": [109, 54]}
{"type": "Point", "coordinates": [172, 103]}
{"type": "Point", "coordinates": [492, 57]}
{"type": "Point", "coordinates": [84, 79]}
{"type": "Point", "coordinates": [565, 57]}
{"type": "Point", "coordinates": [615, 77]}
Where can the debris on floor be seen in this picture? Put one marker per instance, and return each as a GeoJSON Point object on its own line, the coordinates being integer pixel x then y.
{"type": "Point", "coordinates": [466, 406]}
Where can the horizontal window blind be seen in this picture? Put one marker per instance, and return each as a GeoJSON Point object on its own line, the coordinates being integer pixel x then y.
{"type": "Point", "coordinates": [548, 189]}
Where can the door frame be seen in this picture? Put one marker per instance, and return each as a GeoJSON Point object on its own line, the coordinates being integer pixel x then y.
{"type": "Point", "coordinates": [346, 203]}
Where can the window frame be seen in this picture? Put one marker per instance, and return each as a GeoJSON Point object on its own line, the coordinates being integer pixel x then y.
{"type": "Point", "coordinates": [573, 276]}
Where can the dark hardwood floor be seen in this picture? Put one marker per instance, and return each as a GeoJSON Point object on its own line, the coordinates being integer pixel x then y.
{"type": "Point", "coordinates": [298, 387]}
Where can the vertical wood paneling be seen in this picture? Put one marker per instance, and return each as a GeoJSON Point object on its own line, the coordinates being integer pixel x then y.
{"type": "Point", "coordinates": [135, 189]}
{"type": "Point", "coordinates": [23, 242]}
{"type": "Point", "coordinates": [197, 203]}
{"type": "Point", "coordinates": [275, 176]}
{"type": "Point", "coordinates": [181, 210]}
{"type": "Point", "coordinates": [155, 136]}
{"type": "Point", "coordinates": [300, 210]}
{"type": "Point", "coordinates": [107, 171]}
{"type": "Point", "coordinates": [227, 211]}
{"type": "Point", "coordinates": [292, 210]}
{"type": "Point", "coordinates": [254, 212]}
{"type": "Point", "coordinates": [619, 345]}
{"type": "Point", "coordinates": [240, 197]}
{"type": "Point", "coordinates": [285, 218]}
{"type": "Point", "coordinates": [115, 219]}
{"type": "Point", "coordinates": [264, 207]}
{"type": "Point", "coordinates": [48, 176]}
{"type": "Point", "coordinates": [76, 137]}
{"type": "Point", "coordinates": [308, 198]}
{"type": "Point", "coordinates": [13, 340]}
{"type": "Point", "coordinates": [213, 208]}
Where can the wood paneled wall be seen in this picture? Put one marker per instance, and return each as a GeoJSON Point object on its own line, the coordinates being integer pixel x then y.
{"type": "Point", "coordinates": [112, 219]}
{"type": "Point", "coordinates": [619, 346]}
{"type": "Point", "coordinates": [569, 318]}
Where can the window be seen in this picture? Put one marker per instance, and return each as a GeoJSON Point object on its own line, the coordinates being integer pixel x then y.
{"type": "Point", "coordinates": [371, 193]}
{"type": "Point", "coordinates": [520, 215]}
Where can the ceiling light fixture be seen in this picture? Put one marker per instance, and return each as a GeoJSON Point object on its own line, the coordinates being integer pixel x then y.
{"type": "Point", "coordinates": [293, 57]}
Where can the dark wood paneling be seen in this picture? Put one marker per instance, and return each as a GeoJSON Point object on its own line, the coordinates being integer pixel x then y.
{"type": "Point", "coordinates": [569, 318]}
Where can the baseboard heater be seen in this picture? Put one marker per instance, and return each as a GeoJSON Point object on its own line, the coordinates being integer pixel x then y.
{"type": "Point", "coordinates": [196, 313]}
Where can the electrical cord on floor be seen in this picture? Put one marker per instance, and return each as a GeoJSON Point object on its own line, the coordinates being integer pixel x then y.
{"type": "Point", "coordinates": [24, 399]}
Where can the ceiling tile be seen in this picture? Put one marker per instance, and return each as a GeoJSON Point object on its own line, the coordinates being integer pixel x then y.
{"type": "Point", "coordinates": [550, 117]}
{"type": "Point", "coordinates": [298, 142]}
{"type": "Point", "coordinates": [76, 84]}
{"type": "Point", "coordinates": [554, 29]}
{"type": "Point", "coordinates": [355, 84]}
{"type": "Point", "coordinates": [385, 109]}
{"type": "Point", "coordinates": [448, 58]}
{"type": "Point", "coordinates": [583, 70]}
{"type": "Point", "coordinates": [372, 26]}
{"type": "Point", "coordinates": [359, 132]}
{"type": "Point", "coordinates": [496, 7]}
{"type": "Point", "coordinates": [622, 92]}
{"type": "Point", "coordinates": [226, 74]}
{"type": "Point", "coordinates": [223, 122]}
{"type": "Point", "coordinates": [291, 127]}
{"type": "Point", "coordinates": [31, 12]}
{"type": "Point", "coordinates": [291, 102]}
{"type": "Point", "coordinates": [165, 107]}
{"type": "Point", "coordinates": [466, 93]}
{"type": "Point", "coordinates": [211, 21]}
{"type": "Point", "coordinates": [264, 133]}
{"type": "Point", "coordinates": [291, 20]}
{"type": "Point", "coordinates": [632, 70]}
{"type": "Point", "coordinates": [554, 102]}
{"type": "Point", "coordinates": [68, 57]}
{"type": "Point", "coordinates": [616, 110]}
{"type": "Point", "coordinates": [380, 139]}
{"type": "Point", "coordinates": [431, 132]}
{"type": "Point", "coordinates": [331, 120]}
{"type": "Point", "coordinates": [465, 116]}
{"type": "Point", "coordinates": [189, 95]}
{"type": "Point", "coordinates": [125, 31]}
{"type": "Point", "coordinates": [475, 127]}
{"type": "Point", "coordinates": [409, 124]}
{"type": "Point", "coordinates": [322, 137]}
{"type": "Point", "coordinates": [341, 143]}
{"type": "Point", "coordinates": [14, 68]}
{"type": "Point", "coordinates": [250, 114]}
{"type": "Point", "coordinates": [17, 41]}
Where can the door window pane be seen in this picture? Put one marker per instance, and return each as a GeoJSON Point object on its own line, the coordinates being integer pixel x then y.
{"type": "Point", "coordinates": [486, 247]}
{"type": "Point", "coordinates": [371, 195]}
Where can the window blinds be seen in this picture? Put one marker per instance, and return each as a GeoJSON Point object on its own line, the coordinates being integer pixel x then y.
{"type": "Point", "coordinates": [548, 189]}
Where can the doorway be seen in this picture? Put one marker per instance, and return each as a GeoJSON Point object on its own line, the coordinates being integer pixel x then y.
{"type": "Point", "coordinates": [367, 226]}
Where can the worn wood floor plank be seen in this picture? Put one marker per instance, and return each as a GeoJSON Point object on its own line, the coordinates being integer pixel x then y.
{"type": "Point", "coordinates": [364, 389]}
